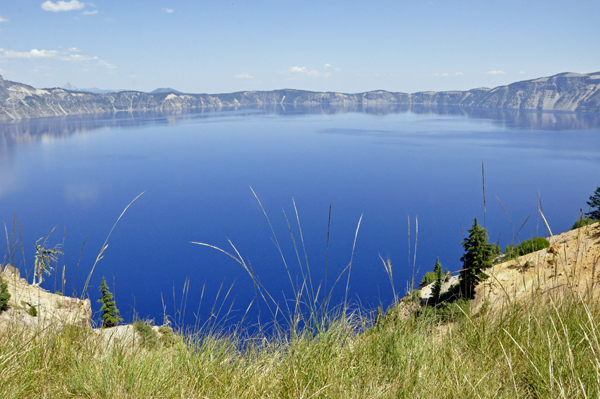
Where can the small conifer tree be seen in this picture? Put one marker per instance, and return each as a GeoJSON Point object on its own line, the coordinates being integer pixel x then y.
{"type": "Point", "coordinates": [110, 313]}
{"type": "Point", "coordinates": [594, 204]}
{"type": "Point", "coordinates": [439, 278]}
{"type": "Point", "coordinates": [4, 295]}
{"type": "Point", "coordinates": [478, 256]}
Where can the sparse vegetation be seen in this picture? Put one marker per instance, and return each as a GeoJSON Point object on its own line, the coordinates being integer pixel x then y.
{"type": "Point", "coordinates": [583, 222]}
{"type": "Point", "coordinates": [148, 336]}
{"type": "Point", "coordinates": [428, 278]}
{"type": "Point", "coordinates": [43, 259]}
{"type": "Point", "coordinates": [526, 247]}
{"type": "Point", "coordinates": [32, 310]}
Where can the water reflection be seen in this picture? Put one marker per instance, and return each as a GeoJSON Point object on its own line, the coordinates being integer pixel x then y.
{"type": "Point", "coordinates": [40, 129]}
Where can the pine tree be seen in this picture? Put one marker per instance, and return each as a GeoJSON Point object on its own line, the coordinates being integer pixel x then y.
{"type": "Point", "coordinates": [594, 203]}
{"type": "Point", "coordinates": [439, 278]}
{"type": "Point", "coordinates": [4, 295]}
{"type": "Point", "coordinates": [478, 256]}
{"type": "Point", "coordinates": [110, 313]}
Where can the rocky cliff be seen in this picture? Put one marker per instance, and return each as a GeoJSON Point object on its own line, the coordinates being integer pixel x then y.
{"type": "Point", "coordinates": [562, 92]}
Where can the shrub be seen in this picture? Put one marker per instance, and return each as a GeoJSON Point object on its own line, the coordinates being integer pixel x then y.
{"type": "Point", "coordinates": [583, 222]}
{"type": "Point", "coordinates": [168, 338]}
{"type": "Point", "coordinates": [428, 278]}
{"type": "Point", "coordinates": [526, 247]}
{"type": "Point", "coordinates": [4, 295]}
{"type": "Point", "coordinates": [32, 311]}
{"type": "Point", "coordinates": [144, 329]}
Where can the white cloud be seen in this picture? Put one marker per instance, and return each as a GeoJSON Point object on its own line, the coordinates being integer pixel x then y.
{"type": "Point", "coordinates": [244, 75]}
{"type": "Point", "coordinates": [459, 74]}
{"type": "Point", "coordinates": [304, 71]}
{"type": "Point", "coordinates": [62, 6]}
{"type": "Point", "coordinates": [63, 55]}
{"type": "Point", "coordinates": [441, 74]}
{"type": "Point", "coordinates": [522, 72]}
{"type": "Point", "coordinates": [168, 10]}
{"type": "Point", "coordinates": [496, 73]}
{"type": "Point", "coordinates": [2, 19]}
{"type": "Point", "coordinates": [90, 12]}
{"type": "Point", "coordinates": [28, 54]}
{"type": "Point", "coordinates": [337, 69]}
{"type": "Point", "coordinates": [327, 66]}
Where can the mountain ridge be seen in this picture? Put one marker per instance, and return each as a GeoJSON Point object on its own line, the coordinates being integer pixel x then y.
{"type": "Point", "coordinates": [567, 91]}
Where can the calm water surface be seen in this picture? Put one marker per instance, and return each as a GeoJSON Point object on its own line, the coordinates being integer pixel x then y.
{"type": "Point", "coordinates": [389, 165]}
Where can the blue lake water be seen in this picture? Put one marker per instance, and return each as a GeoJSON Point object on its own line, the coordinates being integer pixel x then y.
{"type": "Point", "coordinates": [76, 175]}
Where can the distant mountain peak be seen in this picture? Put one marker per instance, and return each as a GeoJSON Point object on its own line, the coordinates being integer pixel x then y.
{"type": "Point", "coordinates": [165, 90]}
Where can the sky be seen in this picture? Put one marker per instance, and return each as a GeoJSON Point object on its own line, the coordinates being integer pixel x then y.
{"type": "Point", "coordinates": [211, 46]}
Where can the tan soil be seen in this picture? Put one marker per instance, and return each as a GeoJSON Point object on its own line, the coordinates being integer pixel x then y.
{"type": "Point", "coordinates": [572, 261]}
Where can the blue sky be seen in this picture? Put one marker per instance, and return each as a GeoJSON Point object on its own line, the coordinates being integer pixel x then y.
{"type": "Point", "coordinates": [212, 46]}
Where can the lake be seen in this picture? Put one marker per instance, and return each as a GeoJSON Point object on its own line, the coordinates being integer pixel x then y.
{"type": "Point", "coordinates": [391, 165]}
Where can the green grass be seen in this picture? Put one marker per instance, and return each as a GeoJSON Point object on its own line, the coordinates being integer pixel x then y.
{"type": "Point", "coordinates": [583, 222]}
{"type": "Point", "coordinates": [526, 247]}
{"type": "Point", "coordinates": [540, 349]}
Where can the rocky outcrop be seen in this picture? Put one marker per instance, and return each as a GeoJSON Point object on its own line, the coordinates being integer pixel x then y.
{"type": "Point", "coordinates": [562, 92]}
{"type": "Point", "coordinates": [50, 309]}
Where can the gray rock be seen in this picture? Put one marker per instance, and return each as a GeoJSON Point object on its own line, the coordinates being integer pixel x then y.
{"type": "Point", "coordinates": [562, 92]}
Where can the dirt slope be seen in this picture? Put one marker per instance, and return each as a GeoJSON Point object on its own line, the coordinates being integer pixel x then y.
{"type": "Point", "coordinates": [572, 261]}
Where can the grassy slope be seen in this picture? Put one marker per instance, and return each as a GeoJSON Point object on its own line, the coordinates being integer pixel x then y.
{"type": "Point", "coordinates": [546, 349]}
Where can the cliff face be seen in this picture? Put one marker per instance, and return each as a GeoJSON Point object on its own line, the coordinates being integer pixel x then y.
{"type": "Point", "coordinates": [562, 92]}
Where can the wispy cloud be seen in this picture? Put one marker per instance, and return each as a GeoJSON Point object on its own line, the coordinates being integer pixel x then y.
{"type": "Point", "coordinates": [35, 53]}
{"type": "Point", "coordinates": [496, 73]}
{"type": "Point", "coordinates": [2, 19]}
{"type": "Point", "coordinates": [72, 5]}
{"type": "Point", "coordinates": [90, 12]}
{"type": "Point", "coordinates": [244, 75]}
{"type": "Point", "coordinates": [69, 55]}
{"type": "Point", "coordinates": [521, 72]}
{"type": "Point", "coordinates": [444, 75]}
{"type": "Point", "coordinates": [168, 10]}
{"type": "Point", "coordinates": [459, 74]}
{"type": "Point", "coordinates": [327, 66]}
{"type": "Point", "coordinates": [304, 71]}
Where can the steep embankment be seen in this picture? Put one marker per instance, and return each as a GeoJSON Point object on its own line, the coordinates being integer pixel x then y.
{"type": "Point", "coordinates": [562, 92]}
{"type": "Point", "coordinates": [572, 263]}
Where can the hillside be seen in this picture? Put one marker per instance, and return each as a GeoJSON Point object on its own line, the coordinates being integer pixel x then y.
{"type": "Point", "coordinates": [562, 92]}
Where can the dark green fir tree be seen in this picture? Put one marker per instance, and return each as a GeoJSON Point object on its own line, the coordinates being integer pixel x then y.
{"type": "Point", "coordinates": [110, 313]}
{"type": "Point", "coordinates": [439, 279]}
{"type": "Point", "coordinates": [478, 256]}
{"type": "Point", "coordinates": [594, 204]}
{"type": "Point", "coordinates": [4, 295]}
